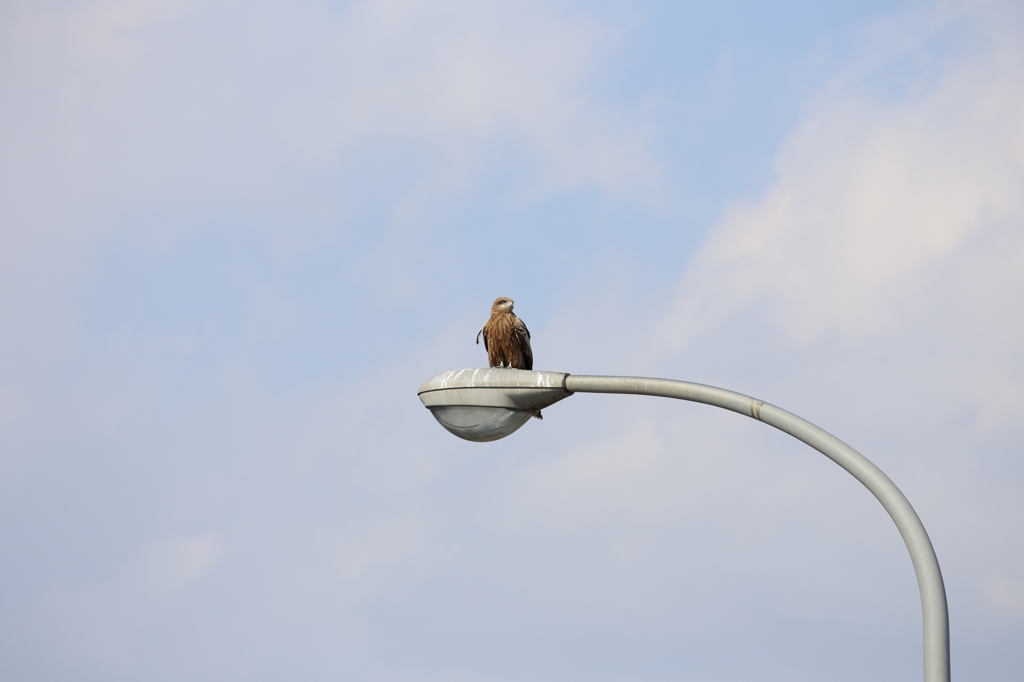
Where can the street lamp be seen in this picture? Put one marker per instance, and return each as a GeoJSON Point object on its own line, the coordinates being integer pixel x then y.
{"type": "Point", "coordinates": [488, 404]}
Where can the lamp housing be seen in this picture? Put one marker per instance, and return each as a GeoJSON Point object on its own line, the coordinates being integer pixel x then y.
{"type": "Point", "coordinates": [487, 404]}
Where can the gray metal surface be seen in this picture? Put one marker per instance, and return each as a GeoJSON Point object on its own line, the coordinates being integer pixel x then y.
{"type": "Point", "coordinates": [926, 564]}
{"type": "Point", "coordinates": [516, 389]}
{"type": "Point", "coordinates": [487, 404]}
{"type": "Point", "coordinates": [479, 424]}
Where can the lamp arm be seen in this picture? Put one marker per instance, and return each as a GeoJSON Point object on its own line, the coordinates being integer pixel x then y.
{"type": "Point", "coordinates": [926, 564]}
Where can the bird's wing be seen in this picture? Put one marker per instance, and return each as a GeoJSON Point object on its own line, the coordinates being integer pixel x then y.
{"type": "Point", "coordinates": [524, 341]}
{"type": "Point", "coordinates": [484, 332]}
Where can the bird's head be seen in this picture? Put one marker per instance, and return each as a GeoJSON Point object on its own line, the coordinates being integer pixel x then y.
{"type": "Point", "coordinates": [503, 304]}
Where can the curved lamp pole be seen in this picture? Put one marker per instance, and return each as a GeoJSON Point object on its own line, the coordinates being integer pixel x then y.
{"type": "Point", "coordinates": [488, 404]}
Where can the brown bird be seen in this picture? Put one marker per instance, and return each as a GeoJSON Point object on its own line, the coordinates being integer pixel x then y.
{"type": "Point", "coordinates": [506, 339]}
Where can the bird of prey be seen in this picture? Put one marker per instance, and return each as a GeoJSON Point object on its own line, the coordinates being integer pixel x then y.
{"type": "Point", "coordinates": [506, 339]}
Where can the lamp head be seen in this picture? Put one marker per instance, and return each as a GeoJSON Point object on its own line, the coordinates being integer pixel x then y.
{"type": "Point", "coordinates": [488, 404]}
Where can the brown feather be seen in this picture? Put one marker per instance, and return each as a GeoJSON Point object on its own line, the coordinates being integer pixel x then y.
{"type": "Point", "coordinates": [506, 339]}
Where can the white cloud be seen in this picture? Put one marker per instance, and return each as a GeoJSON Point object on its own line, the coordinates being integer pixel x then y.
{"type": "Point", "coordinates": [363, 557]}
{"type": "Point", "coordinates": [888, 252]}
{"type": "Point", "coordinates": [1004, 594]}
{"type": "Point", "coordinates": [597, 485]}
{"type": "Point", "coordinates": [139, 103]}
{"type": "Point", "coordinates": [178, 562]}
{"type": "Point", "coordinates": [878, 279]}
{"type": "Point", "coordinates": [460, 74]}
{"type": "Point", "coordinates": [874, 287]}
{"type": "Point", "coordinates": [873, 197]}
{"type": "Point", "coordinates": [99, 623]}
{"type": "Point", "coordinates": [130, 119]}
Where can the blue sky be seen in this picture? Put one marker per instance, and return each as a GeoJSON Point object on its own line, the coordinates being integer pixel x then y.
{"type": "Point", "coordinates": [235, 237]}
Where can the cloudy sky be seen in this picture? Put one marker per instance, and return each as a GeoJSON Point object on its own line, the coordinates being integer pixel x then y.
{"type": "Point", "coordinates": [235, 237]}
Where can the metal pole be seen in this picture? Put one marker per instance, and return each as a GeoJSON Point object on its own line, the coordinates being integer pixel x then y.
{"type": "Point", "coordinates": [926, 564]}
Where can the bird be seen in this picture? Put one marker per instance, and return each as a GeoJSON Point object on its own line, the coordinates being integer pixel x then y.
{"type": "Point", "coordinates": [506, 339]}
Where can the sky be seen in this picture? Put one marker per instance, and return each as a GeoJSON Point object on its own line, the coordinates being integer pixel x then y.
{"type": "Point", "coordinates": [235, 237]}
